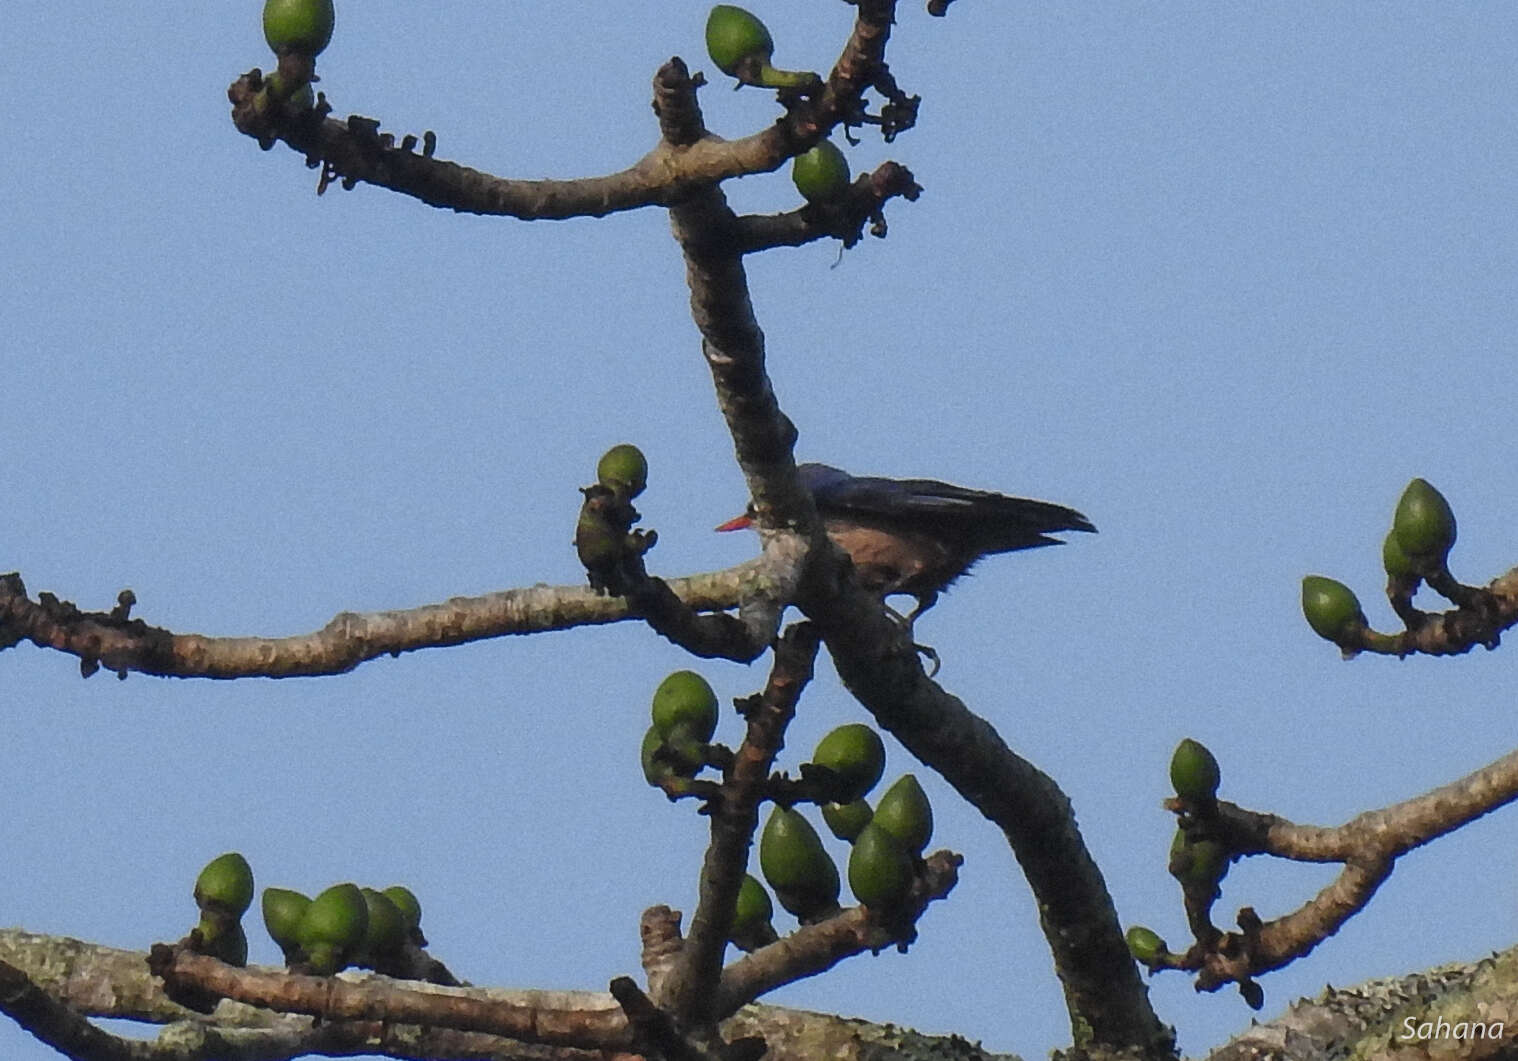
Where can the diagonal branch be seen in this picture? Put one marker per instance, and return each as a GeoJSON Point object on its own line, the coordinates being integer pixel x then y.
{"type": "Point", "coordinates": [1108, 1003]}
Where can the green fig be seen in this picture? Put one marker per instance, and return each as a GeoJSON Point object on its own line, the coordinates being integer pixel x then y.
{"type": "Point", "coordinates": [1145, 944]}
{"type": "Point", "coordinates": [1194, 771]}
{"type": "Point", "coordinates": [225, 884]}
{"type": "Point", "coordinates": [1397, 563]}
{"type": "Point", "coordinates": [880, 869]}
{"type": "Point", "coordinates": [856, 754]}
{"type": "Point", "coordinates": [821, 173]}
{"type": "Point", "coordinates": [623, 469]}
{"type": "Point", "coordinates": [678, 755]}
{"type": "Point", "coordinates": [793, 861]}
{"type": "Point", "coordinates": [385, 929]}
{"type": "Point", "coordinates": [753, 907]}
{"type": "Point", "coordinates": [817, 900]}
{"type": "Point", "coordinates": [905, 813]}
{"type": "Point", "coordinates": [223, 940]}
{"type": "Point", "coordinates": [655, 767]}
{"type": "Point", "coordinates": [294, 93]}
{"type": "Point", "coordinates": [406, 902]}
{"type": "Point", "coordinates": [1197, 864]}
{"type": "Point", "coordinates": [685, 699]}
{"type": "Point", "coordinates": [1424, 524]}
{"type": "Point", "coordinates": [846, 820]}
{"type": "Point", "coordinates": [283, 910]}
{"type": "Point", "coordinates": [301, 26]}
{"type": "Point", "coordinates": [734, 35]}
{"type": "Point", "coordinates": [1331, 608]}
{"type": "Point", "coordinates": [333, 927]}
{"type": "Point", "coordinates": [790, 850]}
{"type": "Point", "coordinates": [741, 46]}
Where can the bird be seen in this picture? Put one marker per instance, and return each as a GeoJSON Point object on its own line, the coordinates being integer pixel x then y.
{"type": "Point", "coordinates": [917, 536]}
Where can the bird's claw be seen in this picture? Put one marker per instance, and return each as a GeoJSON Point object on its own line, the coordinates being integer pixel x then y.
{"type": "Point", "coordinates": [929, 653]}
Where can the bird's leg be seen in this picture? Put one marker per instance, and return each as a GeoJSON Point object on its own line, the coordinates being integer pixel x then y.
{"type": "Point", "coordinates": [927, 652]}
{"type": "Point", "coordinates": [925, 601]}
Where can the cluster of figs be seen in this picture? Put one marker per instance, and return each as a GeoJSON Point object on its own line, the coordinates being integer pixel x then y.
{"type": "Point", "coordinates": [345, 925]}
{"type": "Point", "coordinates": [1416, 547]}
{"type": "Point", "coordinates": [1198, 859]}
{"type": "Point", "coordinates": [886, 840]}
{"type": "Point", "coordinates": [741, 46]}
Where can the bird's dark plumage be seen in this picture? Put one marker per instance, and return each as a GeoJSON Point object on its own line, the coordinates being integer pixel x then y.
{"type": "Point", "coordinates": [916, 536]}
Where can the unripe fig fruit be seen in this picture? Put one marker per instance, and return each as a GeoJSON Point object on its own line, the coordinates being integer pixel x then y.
{"type": "Point", "coordinates": [406, 902]}
{"type": "Point", "coordinates": [905, 813]}
{"type": "Point", "coordinates": [753, 907]}
{"type": "Point", "coordinates": [1331, 608]}
{"type": "Point", "coordinates": [790, 851]}
{"type": "Point", "coordinates": [1397, 563]}
{"type": "Point", "coordinates": [880, 869]}
{"type": "Point", "coordinates": [293, 93]}
{"type": "Point", "coordinates": [847, 820]}
{"type": "Point", "coordinates": [793, 861]}
{"type": "Point", "coordinates": [1194, 771]}
{"type": "Point", "coordinates": [1197, 864]}
{"type": "Point", "coordinates": [1424, 523]}
{"type": "Point", "coordinates": [226, 883]}
{"type": "Point", "coordinates": [817, 900]}
{"type": "Point", "coordinates": [741, 47]}
{"type": "Point", "coordinates": [655, 768]}
{"type": "Point", "coordinates": [821, 173]}
{"type": "Point", "coordinates": [623, 469]}
{"type": "Point", "coordinates": [1145, 944]}
{"type": "Point", "coordinates": [283, 910]}
{"type": "Point", "coordinates": [856, 754]}
{"type": "Point", "coordinates": [223, 940]}
{"type": "Point", "coordinates": [303, 26]}
{"type": "Point", "coordinates": [733, 35]}
{"type": "Point", "coordinates": [385, 930]}
{"type": "Point", "coordinates": [677, 755]}
{"type": "Point", "coordinates": [685, 699]}
{"type": "Point", "coordinates": [333, 927]}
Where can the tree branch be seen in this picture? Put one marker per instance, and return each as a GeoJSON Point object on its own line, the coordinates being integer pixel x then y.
{"type": "Point", "coordinates": [1108, 1003]}
{"type": "Point", "coordinates": [735, 815]}
{"type": "Point", "coordinates": [107, 982]}
{"type": "Point", "coordinates": [1369, 845]}
{"type": "Point", "coordinates": [117, 643]}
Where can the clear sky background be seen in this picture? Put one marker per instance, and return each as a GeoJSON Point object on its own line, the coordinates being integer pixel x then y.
{"type": "Point", "coordinates": [1224, 277]}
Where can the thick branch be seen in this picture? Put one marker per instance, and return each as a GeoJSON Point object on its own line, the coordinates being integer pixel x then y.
{"type": "Point", "coordinates": [1108, 1004]}
{"type": "Point", "coordinates": [106, 982]}
{"type": "Point", "coordinates": [56, 1024]}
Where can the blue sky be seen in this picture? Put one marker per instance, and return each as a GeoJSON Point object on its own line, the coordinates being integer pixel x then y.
{"type": "Point", "coordinates": [1223, 278]}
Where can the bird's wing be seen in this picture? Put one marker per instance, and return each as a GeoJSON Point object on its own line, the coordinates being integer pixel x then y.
{"type": "Point", "coordinates": [995, 522]}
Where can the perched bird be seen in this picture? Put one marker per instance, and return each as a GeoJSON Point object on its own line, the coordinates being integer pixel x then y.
{"type": "Point", "coordinates": [916, 536]}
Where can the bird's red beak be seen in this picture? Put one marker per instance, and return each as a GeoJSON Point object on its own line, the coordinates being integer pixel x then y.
{"type": "Point", "coordinates": [737, 523]}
